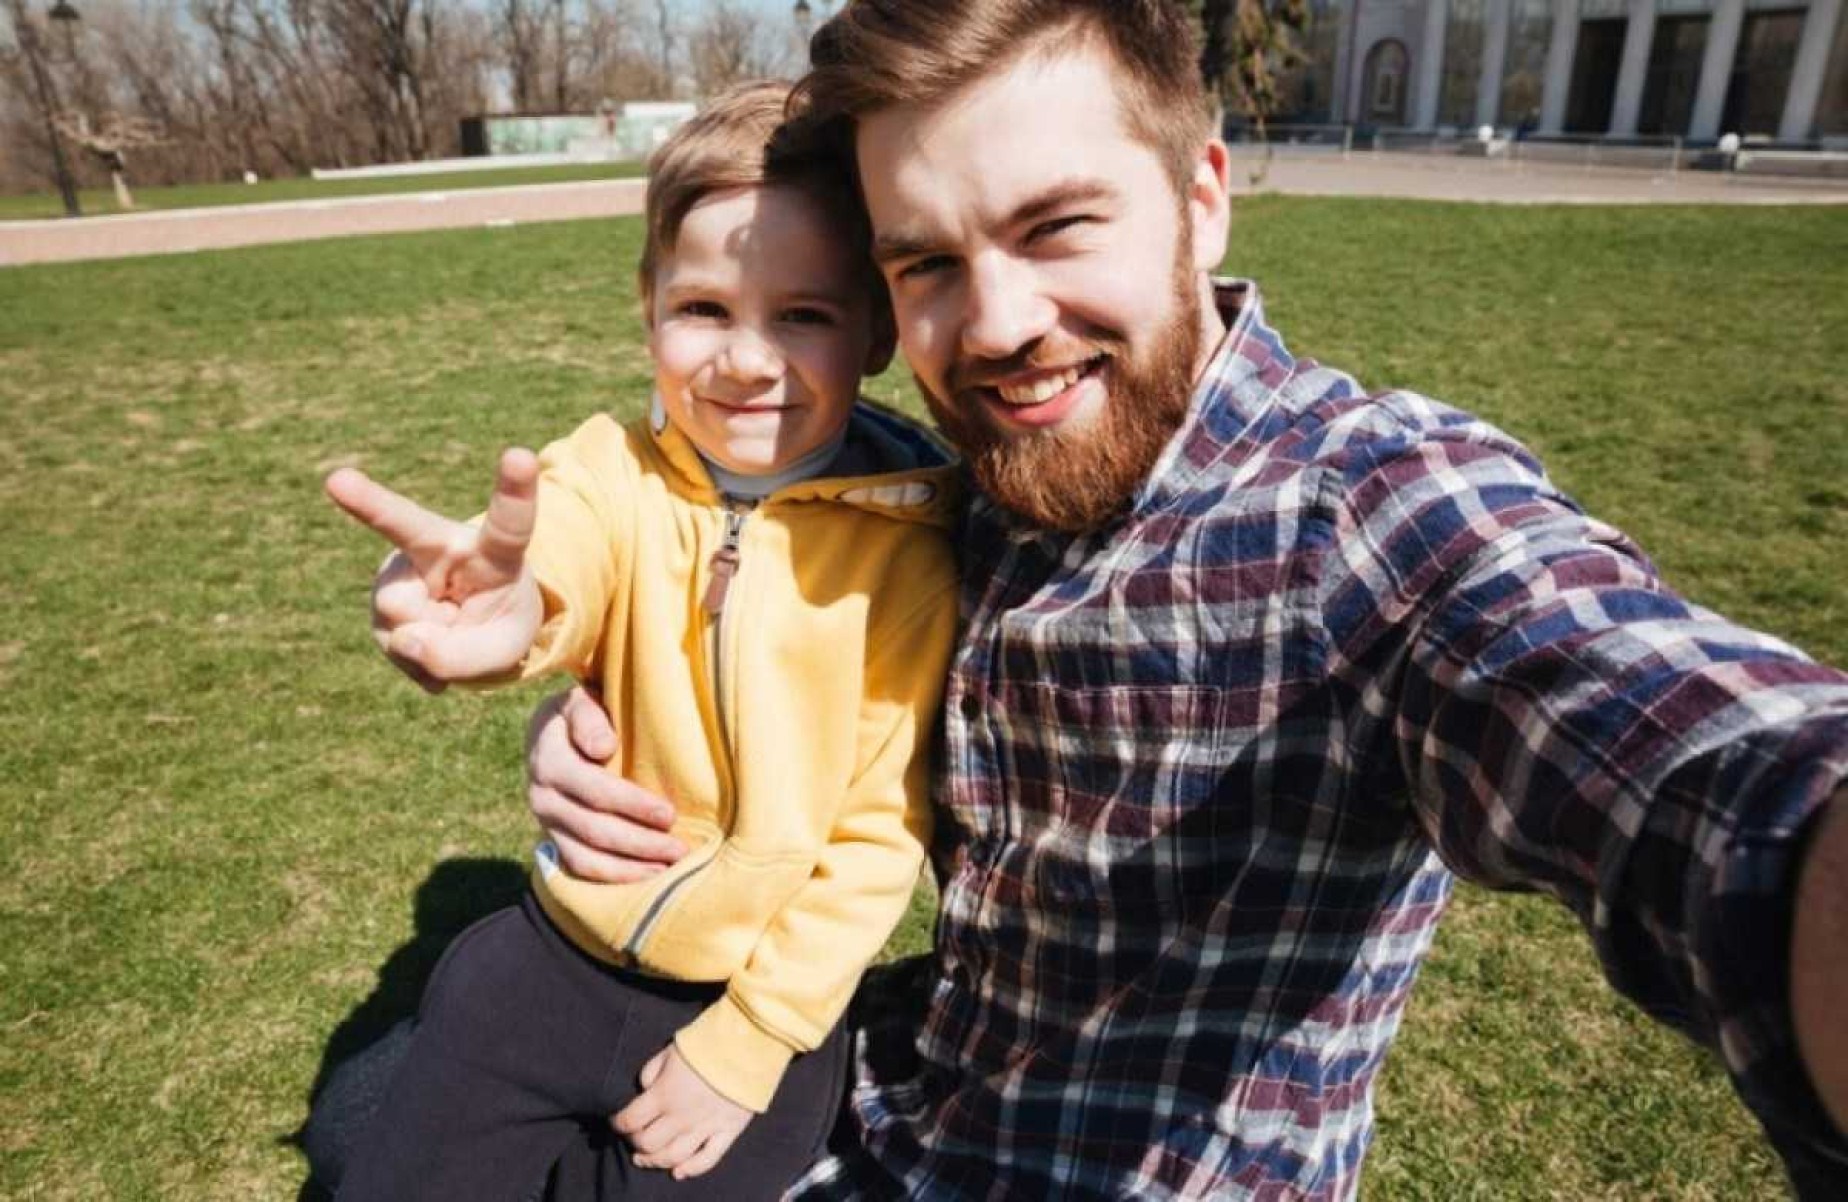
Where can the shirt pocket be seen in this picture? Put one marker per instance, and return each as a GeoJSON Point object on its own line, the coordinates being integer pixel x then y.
{"type": "Point", "coordinates": [1121, 785]}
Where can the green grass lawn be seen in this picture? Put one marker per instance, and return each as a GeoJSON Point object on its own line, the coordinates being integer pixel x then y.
{"type": "Point", "coordinates": [97, 202]}
{"type": "Point", "coordinates": [231, 835]}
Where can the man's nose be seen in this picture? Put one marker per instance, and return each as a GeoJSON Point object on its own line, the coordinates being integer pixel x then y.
{"type": "Point", "coordinates": [749, 358]}
{"type": "Point", "coordinates": [1006, 309]}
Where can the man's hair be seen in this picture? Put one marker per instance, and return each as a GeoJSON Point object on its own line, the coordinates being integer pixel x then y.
{"type": "Point", "coordinates": [746, 137]}
{"type": "Point", "coordinates": [875, 54]}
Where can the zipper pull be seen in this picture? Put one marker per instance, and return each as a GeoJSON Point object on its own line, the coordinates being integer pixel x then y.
{"type": "Point", "coordinates": [724, 563]}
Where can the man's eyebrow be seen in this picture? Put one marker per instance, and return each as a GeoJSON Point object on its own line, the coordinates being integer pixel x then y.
{"type": "Point", "coordinates": [1065, 194]}
{"type": "Point", "coordinates": [900, 244]}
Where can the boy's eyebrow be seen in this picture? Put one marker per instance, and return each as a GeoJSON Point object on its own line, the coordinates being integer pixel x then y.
{"type": "Point", "coordinates": [900, 244]}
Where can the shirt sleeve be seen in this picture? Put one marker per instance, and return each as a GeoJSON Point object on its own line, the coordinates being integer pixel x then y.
{"type": "Point", "coordinates": [581, 543]}
{"type": "Point", "coordinates": [802, 973]}
{"type": "Point", "coordinates": [1564, 722]}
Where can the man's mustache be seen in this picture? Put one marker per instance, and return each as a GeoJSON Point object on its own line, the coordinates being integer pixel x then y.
{"type": "Point", "coordinates": [967, 374]}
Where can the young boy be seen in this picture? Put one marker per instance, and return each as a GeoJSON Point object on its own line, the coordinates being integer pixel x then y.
{"type": "Point", "coordinates": [758, 576]}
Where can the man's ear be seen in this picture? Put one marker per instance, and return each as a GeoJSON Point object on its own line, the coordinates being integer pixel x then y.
{"type": "Point", "coordinates": [1209, 203]}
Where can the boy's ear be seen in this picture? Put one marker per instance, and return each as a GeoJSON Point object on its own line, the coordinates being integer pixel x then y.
{"type": "Point", "coordinates": [647, 295]}
{"type": "Point", "coordinates": [884, 342]}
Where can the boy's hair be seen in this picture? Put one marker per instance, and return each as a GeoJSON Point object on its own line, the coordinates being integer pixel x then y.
{"type": "Point", "coordinates": [878, 53]}
{"type": "Point", "coordinates": [747, 137]}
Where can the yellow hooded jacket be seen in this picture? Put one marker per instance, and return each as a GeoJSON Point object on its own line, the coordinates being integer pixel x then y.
{"type": "Point", "coordinates": [786, 710]}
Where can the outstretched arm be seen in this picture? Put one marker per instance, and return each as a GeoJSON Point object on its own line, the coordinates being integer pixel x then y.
{"type": "Point", "coordinates": [454, 602]}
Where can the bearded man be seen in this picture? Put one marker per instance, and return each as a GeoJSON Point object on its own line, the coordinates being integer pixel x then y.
{"type": "Point", "coordinates": [1253, 662]}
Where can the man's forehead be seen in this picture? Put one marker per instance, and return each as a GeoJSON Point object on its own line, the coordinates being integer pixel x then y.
{"type": "Point", "coordinates": [1047, 121]}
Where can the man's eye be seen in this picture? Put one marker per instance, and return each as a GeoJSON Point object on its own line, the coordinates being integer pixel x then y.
{"type": "Point", "coordinates": [1055, 227]}
{"type": "Point", "coordinates": [917, 269]}
{"type": "Point", "coordinates": [700, 308]}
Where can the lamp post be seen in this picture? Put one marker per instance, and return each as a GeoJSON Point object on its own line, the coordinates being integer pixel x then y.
{"type": "Point", "coordinates": [805, 18]}
{"type": "Point", "coordinates": [48, 99]}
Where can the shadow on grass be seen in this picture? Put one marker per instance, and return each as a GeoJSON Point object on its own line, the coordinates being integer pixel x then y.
{"type": "Point", "coordinates": [365, 1046]}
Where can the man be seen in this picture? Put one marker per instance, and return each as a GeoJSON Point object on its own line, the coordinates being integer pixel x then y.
{"type": "Point", "coordinates": [1252, 662]}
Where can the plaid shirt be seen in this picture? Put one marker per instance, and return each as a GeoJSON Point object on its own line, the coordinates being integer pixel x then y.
{"type": "Point", "coordinates": [1203, 772]}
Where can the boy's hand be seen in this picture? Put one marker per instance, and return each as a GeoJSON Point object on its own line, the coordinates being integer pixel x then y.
{"type": "Point", "coordinates": [678, 1121]}
{"type": "Point", "coordinates": [454, 602]}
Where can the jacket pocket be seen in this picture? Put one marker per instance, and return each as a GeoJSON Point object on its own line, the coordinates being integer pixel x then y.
{"type": "Point", "coordinates": [708, 929]}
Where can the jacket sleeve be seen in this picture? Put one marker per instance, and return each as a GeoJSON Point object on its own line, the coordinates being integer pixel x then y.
{"type": "Point", "coordinates": [1567, 723]}
{"type": "Point", "coordinates": [803, 971]}
{"type": "Point", "coordinates": [580, 545]}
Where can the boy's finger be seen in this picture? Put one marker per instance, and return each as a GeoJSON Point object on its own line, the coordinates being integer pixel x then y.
{"type": "Point", "coordinates": [400, 519]}
{"type": "Point", "coordinates": [512, 510]}
{"type": "Point", "coordinates": [680, 1150]}
{"type": "Point", "coordinates": [701, 1162]}
{"type": "Point", "coordinates": [585, 862]}
{"type": "Point", "coordinates": [632, 1120]}
{"type": "Point", "coordinates": [451, 653]}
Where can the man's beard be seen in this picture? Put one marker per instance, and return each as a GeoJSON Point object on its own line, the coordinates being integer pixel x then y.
{"type": "Point", "coordinates": [1078, 480]}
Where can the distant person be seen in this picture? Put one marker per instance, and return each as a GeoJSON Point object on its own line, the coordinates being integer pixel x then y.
{"type": "Point", "coordinates": [758, 577]}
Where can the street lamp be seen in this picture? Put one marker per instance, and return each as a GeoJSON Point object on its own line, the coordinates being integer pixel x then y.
{"type": "Point", "coordinates": [805, 17]}
{"type": "Point", "coordinates": [64, 14]}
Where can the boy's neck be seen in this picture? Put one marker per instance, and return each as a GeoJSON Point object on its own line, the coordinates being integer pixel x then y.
{"type": "Point", "coordinates": [757, 486]}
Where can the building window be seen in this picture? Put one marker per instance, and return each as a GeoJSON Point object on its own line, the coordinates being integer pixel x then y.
{"type": "Point", "coordinates": [1456, 104]}
{"type": "Point", "coordinates": [1385, 82]}
{"type": "Point", "coordinates": [1530, 31]}
{"type": "Point", "coordinates": [1832, 109]}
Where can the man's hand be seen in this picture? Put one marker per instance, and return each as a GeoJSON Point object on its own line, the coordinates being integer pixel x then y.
{"type": "Point", "coordinates": [454, 602]}
{"type": "Point", "coordinates": [605, 828]}
{"type": "Point", "coordinates": [678, 1121]}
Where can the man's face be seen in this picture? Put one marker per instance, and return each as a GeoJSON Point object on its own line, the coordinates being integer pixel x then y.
{"type": "Point", "coordinates": [1048, 281]}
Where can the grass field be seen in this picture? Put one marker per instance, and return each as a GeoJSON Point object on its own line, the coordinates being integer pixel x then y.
{"type": "Point", "coordinates": [232, 841]}
{"type": "Point", "coordinates": [100, 202]}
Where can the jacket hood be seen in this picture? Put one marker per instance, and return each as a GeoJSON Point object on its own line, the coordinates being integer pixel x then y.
{"type": "Point", "coordinates": [899, 468]}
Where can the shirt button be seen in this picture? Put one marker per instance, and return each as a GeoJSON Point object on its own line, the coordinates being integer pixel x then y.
{"type": "Point", "coordinates": [970, 706]}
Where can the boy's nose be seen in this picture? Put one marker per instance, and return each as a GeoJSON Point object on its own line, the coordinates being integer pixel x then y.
{"type": "Point", "coordinates": [748, 357]}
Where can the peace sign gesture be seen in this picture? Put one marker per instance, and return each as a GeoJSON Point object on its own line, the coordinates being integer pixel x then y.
{"type": "Point", "coordinates": [455, 602]}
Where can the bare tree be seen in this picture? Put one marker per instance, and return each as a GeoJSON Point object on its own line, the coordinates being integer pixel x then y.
{"type": "Point", "coordinates": [732, 43]}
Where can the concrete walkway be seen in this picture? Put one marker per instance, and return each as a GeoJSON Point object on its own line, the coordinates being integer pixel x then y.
{"type": "Point", "coordinates": [1502, 181]}
{"type": "Point", "coordinates": [1419, 176]}
{"type": "Point", "coordinates": [175, 231]}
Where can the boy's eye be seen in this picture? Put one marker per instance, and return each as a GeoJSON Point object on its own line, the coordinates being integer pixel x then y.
{"type": "Point", "coordinates": [700, 308]}
{"type": "Point", "coordinates": [808, 315]}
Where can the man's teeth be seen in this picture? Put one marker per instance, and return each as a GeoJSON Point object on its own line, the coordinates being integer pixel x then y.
{"type": "Point", "coordinates": [1041, 390]}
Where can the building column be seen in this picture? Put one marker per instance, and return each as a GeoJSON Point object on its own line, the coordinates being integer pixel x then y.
{"type": "Point", "coordinates": [1430, 65]}
{"type": "Point", "coordinates": [1812, 63]}
{"type": "Point", "coordinates": [1494, 62]}
{"type": "Point", "coordinates": [1716, 70]}
{"type": "Point", "coordinates": [1634, 73]}
{"type": "Point", "coordinates": [1559, 52]}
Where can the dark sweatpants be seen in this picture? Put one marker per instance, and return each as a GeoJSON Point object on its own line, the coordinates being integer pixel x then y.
{"type": "Point", "coordinates": [524, 1047]}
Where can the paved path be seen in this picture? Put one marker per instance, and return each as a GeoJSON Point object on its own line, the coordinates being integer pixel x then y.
{"type": "Point", "coordinates": [175, 231]}
{"type": "Point", "coordinates": [1502, 181]}
{"type": "Point", "coordinates": [1422, 176]}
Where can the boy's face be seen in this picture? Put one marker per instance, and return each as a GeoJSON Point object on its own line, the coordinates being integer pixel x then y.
{"type": "Point", "coordinates": [761, 328]}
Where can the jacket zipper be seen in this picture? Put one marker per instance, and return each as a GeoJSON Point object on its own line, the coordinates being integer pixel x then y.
{"type": "Point", "coordinates": [724, 567]}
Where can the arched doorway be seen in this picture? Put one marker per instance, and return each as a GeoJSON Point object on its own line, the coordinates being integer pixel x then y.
{"type": "Point", "coordinates": [1383, 83]}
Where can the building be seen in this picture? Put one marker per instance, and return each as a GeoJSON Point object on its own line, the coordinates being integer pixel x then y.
{"type": "Point", "coordinates": [1695, 69]}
